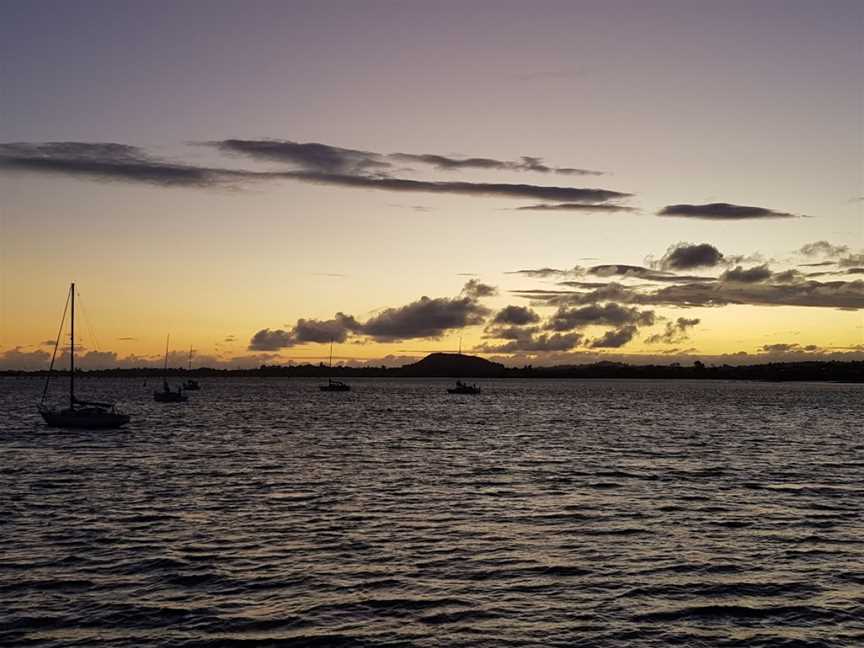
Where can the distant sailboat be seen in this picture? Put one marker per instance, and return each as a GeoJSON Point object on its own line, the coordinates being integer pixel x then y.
{"type": "Point", "coordinates": [334, 385]}
{"type": "Point", "coordinates": [461, 387]}
{"type": "Point", "coordinates": [80, 414]}
{"type": "Point", "coordinates": [190, 384]}
{"type": "Point", "coordinates": [165, 395]}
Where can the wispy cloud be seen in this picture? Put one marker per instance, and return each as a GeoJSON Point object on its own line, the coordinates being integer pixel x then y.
{"type": "Point", "coordinates": [581, 207]}
{"type": "Point", "coordinates": [308, 162]}
{"type": "Point", "coordinates": [675, 332]}
{"type": "Point", "coordinates": [722, 211]}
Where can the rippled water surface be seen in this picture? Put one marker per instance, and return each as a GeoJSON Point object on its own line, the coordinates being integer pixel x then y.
{"type": "Point", "coordinates": [605, 513]}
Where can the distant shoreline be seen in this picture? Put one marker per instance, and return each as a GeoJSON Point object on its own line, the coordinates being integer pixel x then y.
{"type": "Point", "coordinates": [818, 371]}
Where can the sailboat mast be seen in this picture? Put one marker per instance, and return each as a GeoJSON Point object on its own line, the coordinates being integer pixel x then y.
{"type": "Point", "coordinates": [165, 367]}
{"type": "Point", "coordinates": [190, 357]}
{"type": "Point", "coordinates": [72, 351]}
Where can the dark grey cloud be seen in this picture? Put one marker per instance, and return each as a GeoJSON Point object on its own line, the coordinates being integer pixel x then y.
{"type": "Point", "coordinates": [855, 271]}
{"type": "Point", "coordinates": [793, 276]}
{"type": "Point", "coordinates": [783, 347]}
{"type": "Point", "coordinates": [425, 318]}
{"type": "Point", "coordinates": [591, 285]}
{"type": "Point", "coordinates": [750, 275]}
{"type": "Point", "coordinates": [539, 192]}
{"type": "Point", "coordinates": [687, 256]}
{"type": "Point", "coordinates": [525, 163]}
{"type": "Point", "coordinates": [545, 273]}
{"type": "Point", "coordinates": [722, 211]}
{"type": "Point", "coordinates": [271, 340]}
{"type": "Point", "coordinates": [317, 164]}
{"type": "Point", "coordinates": [575, 207]}
{"type": "Point", "coordinates": [518, 315]}
{"type": "Point", "coordinates": [336, 329]}
{"type": "Point", "coordinates": [304, 331]}
{"type": "Point", "coordinates": [823, 249]}
{"type": "Point", "coordinates": [851, 260]}
{"type": "Point", "coordinates": [514, 332]}
{"type": "Point", "coordinates": [572, 171]}
{"type": "Point", "coordinates": [614, 339]}
{"type": "Point", "coordinates": [610, 314]}
{"type": "Point", "coordinates": [311, 156]}
{"type": "Point", "coordinates": [450, 163]}
{"type": "Point", "coordinates": [818, 264]}
{"type": "Point", "coordinates": [674, 332]}
{"type": "Point", "coordinates": [477, 290]}
{"type": "Point", "coordinates": [640, 272]}
{"type": "Point", "coordinates": [543, 343]}
{"type": "Point", "coordinates": [828, 294]}
{"type": "Point", "coordinates": [110, 162]}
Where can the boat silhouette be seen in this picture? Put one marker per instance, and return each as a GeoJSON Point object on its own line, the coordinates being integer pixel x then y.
{"type": "Point", "coordinates": [463, 388]}
{"type": "Point", "coordinates": [190, 384]}
{"type": "Point", "coordinates": [166, 394]}
{"type": "Point", "coordinates": [334, 385]}
{"type": "Point", "coordinates": [81, 414]}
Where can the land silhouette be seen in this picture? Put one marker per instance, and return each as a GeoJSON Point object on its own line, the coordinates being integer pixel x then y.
{"type": "Point", "coordinates": [453, 365]}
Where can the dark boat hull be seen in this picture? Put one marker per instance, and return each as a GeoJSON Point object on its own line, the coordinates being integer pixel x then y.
{"type": "Point", "coordinates": [334, 388]}
{"type": "Point", "coordinates": [169, 397]}
{"type": "Point", "coordinates": [84, 420]}
{"type": "Point", "coordinates": [462, 390]}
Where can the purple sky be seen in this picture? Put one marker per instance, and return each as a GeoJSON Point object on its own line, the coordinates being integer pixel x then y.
{"type": "Point", "coordinates": [679, 103]}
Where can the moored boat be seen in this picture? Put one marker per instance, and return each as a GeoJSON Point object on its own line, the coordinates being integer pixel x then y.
{"type": "Point", "coordinates": [463, 388]}
{"type": "Point", "coordinates": [166, 394]}
{"type": "Point", "coordinates": [190, 384]}
{"type": "Point", "coordinates": [81, 414]}
{"type": "Point", "coordinates": [334, 385]}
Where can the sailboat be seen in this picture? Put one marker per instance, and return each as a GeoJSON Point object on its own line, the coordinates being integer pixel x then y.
{"type": "Point", "coordinates": [334, 385]}
{"type": "Point", "coordinates": [81, 414]}
{"type": "Point", "coordinates": [165, 395]}
{"type": "Point", "coordinates": [190, 384]}
{"type": "Point", "coordinates": [461, 387]}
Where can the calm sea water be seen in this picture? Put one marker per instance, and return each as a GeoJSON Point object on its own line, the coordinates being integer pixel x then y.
{"type": "Point", "coordinates": [607, 513]}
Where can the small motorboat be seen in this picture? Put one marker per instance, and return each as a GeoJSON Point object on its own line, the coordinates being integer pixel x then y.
{"type": "Point", "coordinates": [463, 388]}
{"type": "Point", "coordinates": [334, 386]}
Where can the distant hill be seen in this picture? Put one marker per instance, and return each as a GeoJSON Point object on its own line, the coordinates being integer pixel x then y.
{"type": "Point", "coordinates": [453, 365]}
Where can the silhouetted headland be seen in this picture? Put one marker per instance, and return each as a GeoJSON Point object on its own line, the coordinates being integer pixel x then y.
{"type": "Point", "coordinates": [451, 365]}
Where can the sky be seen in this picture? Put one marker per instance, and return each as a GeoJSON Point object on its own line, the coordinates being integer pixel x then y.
{"type": "Point", "coordinates": [548, 182]}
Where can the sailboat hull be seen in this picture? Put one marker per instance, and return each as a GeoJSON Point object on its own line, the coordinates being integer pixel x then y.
{"type": "Point", "coordinates": [334, 388]}
{"type": "Point", "coordinates": [84, 419]}
{"type": "Point", "coordinates": [169, 397]}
